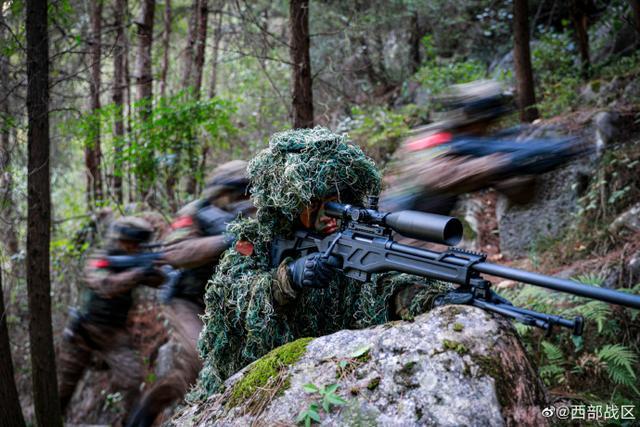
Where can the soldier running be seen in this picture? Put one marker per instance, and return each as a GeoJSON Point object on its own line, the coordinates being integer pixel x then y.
{"type": "Point", "coordinates": [459, 154]}
{"type": "Point", "coordinates": [194, 245]}
{"type": "Point", "coordinates": [100, 325]}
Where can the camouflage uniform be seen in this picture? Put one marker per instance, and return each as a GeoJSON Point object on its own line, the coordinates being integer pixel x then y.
{"type": "Point", "coordinates": [194, 245]}
{"type": "Point", "coordinates": [455, 156]}
{"type": "Point", "coordinates": [100, 325]}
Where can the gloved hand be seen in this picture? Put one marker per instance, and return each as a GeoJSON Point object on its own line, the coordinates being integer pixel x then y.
{"type": "Point", "coordinates": [313, 271]}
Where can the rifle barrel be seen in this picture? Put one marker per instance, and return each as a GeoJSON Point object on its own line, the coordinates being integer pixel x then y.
{"type": "Point", "coordinates": [548, 282]}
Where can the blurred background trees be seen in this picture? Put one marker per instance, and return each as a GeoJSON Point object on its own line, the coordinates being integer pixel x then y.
{"type": "Point", "coordinates": [147, 96]}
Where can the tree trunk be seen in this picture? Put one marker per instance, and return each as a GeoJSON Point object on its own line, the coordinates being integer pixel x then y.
{"type": "Point", "coordinates": [188, 54]}
{"type": "Point", "coordinates": [118, 95]}
{"type": "Point", "coordinates": [201, 44]}
{"type": "Point", "coordinates": [10, 408]}
{"type": "Point", "coordinates": [217, 36]}
{"type": "Point", "coordinates": [92, 152]}
{"type": "Point", "coordinates": [144, 73]}
{"type": "Point", "coordinates": [415, 38]}
{"type": "Point", "coordinates": [144, 78]}
{"type": "Point", "coordinates": [166, 38]}
{"type": "Point", "coordinates": [302, 94]}
{"type": "Point", "coordinates": [7, 231]}
{"type": "Point", "coordinates": [128, 102]}
{"type": "Point", "coordinates": [580, 23]}
{"type": "Point", "coordinates": [43, 363]}
{"type": "Point", "coordinates": [522, 58]}
{"type": "Point", "coordinates": [635, 8]}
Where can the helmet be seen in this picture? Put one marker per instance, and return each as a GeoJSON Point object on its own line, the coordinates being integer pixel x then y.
{"type": "Point", "coordinates": [303, 165]}
{"type": "Point", "coordinates": [230, 176]}
{"type": "Point", "coordinates": [482, 100]}
{"type": "Point", "coordinates": [130, 228]}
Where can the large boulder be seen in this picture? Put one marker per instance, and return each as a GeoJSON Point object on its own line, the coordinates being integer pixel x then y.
{"type": "Point", "coordinates": [456, 365]}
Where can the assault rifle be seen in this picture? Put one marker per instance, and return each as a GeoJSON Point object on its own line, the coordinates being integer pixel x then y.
{"type": "Point", "coordinates": [147, 260]}
{"type": "Point", "coordinates": [364, 245]}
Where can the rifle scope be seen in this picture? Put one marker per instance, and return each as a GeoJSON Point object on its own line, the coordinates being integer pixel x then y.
{"type": "Point", "coordinates": [429, 227]}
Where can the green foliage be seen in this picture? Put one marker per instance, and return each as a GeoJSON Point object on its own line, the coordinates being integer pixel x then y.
{"type": "Point", "coordinates": [327, 398]}
{"type": "Point", "coordinates": [553, 61]}
{"type": "Point", "coordinates": [580, 363]}
{"type": "Point", "coordinates": [437, 74]}
{"type": "Point", "coordinates": [167, 144]}
{"type": "Point", "coordinates": [377, 130]}
{"type": "Point", "coordinates": [619, 361]}
{"type": "Point", "coordinates": [596, 311]}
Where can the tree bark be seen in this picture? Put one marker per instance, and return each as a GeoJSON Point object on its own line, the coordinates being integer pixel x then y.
{"type": "Point", "coordinates": [10, 408]}
{"type": "Point", "coordinates": [7, 230]}
{"type": "Point", "coordinates": [302, 94]}
{"type": "Point", "coordinates": [92, 151]}
{"type": "Point", "coordinates": [522, 58]}
{"type": "Point", "coordinates": [118, 96]}
{"type": "Point", "coordinates": [635, 8]}
{"type": "Point", "coordinates": [166, 38]}
{"type": "Point", "coordinates": [415, 38]}
{"type": "Point", "coordinates": [201, 44]}
{"type": "Point", "coordinates": [144, 73]}
{"type": "Point", "coordinates": [188, 54]}
{"type": "Point", "coordinates": [43, 363]}
{"type": "Point", "coordinates": [128, 102]}
{"type": "Point", "coordinates": [217, 37]}
{"type": "Point", "coordinates": [580, 23]}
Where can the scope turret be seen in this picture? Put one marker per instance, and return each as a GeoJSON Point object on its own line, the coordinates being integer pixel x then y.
{"type": "Point", "coordinates": [429, 227]}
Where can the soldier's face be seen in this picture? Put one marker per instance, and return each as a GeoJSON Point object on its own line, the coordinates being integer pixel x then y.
{"type": "Point", "coordinates": [315, 217]}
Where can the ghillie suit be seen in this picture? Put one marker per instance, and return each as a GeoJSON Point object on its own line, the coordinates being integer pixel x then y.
{"type": "Point", "coordinates": [251, 307]}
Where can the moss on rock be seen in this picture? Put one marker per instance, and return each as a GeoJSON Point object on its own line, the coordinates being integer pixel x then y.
{"type": "Point", "coordinates": [266, 368]}
{"type": "Point", "coordinates": [458, 347]}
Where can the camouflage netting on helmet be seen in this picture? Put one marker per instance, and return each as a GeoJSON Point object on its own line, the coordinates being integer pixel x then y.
{"type": "Point", "coordinates": [242, 322]}
{"type": "Point", "coordinates": [304, 165]}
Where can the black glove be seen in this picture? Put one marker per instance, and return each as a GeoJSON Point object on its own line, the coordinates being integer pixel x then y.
{"type": "Point", "coordinates": [313, 271]}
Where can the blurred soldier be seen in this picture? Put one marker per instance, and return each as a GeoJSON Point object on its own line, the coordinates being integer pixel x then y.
{"type": "Point", "coordinates": [194, 245]}
{"type": "Point", "coordinates": [100, 325]}
{"type": "Point", "coordinates": [458, 155]}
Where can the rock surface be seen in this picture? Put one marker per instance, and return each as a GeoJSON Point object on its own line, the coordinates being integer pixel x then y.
{"type": "Point", "coordinates": [629, 219]}
{"type": "Point", "coordinates": [454, 366]}
{"type": "Point", "coordinates": [522, 227]}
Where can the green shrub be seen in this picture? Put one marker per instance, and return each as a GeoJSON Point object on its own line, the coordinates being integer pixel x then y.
{"type": "Point", "coordinates": [378, 131]}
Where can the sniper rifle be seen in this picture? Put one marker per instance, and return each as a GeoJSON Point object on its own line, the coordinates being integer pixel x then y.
{"type": "Point", "coordinates": [364, 245]}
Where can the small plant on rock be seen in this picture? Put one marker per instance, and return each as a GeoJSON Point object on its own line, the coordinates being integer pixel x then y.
{"type": "Point", "coordinates": [327, 398]}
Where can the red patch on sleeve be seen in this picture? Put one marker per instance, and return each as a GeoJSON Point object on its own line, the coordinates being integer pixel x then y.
{"type": "Point", "coordinates": [182, 222]}
{"type": "Point", "coordinates": [429, 141]}
{"type": "Point", "coordinates": [99, 263]}
{"type": "Point", "coordinates": [244, 247]}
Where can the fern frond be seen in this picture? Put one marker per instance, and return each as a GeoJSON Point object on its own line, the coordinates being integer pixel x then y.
{"type": "Point", "coordinates": [619, 361]}
{"type": "Point", "coordinates": [553, 353]}
{"type": "Point", "coordinates": [593, 279]}
{"type": "Point", "coordinates": [551, 374]}
{"type": "Point", "coordinates": [596, 311]}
